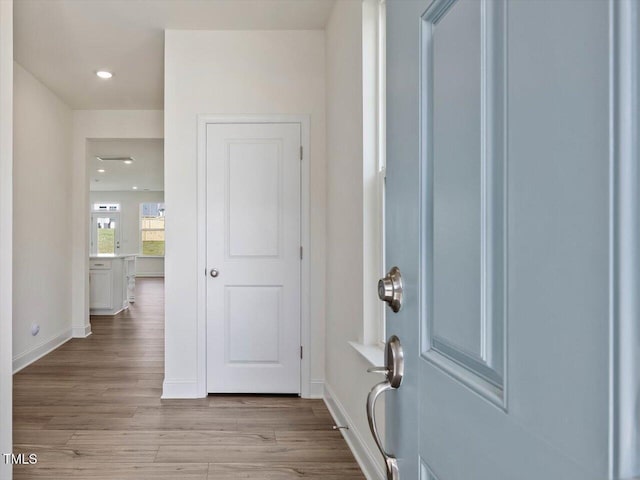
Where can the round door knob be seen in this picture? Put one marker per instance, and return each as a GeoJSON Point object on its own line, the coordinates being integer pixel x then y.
{"type": "Point", "coordinates": [390, 289]}
{"type": "Point", "coordinates": [214, 273]}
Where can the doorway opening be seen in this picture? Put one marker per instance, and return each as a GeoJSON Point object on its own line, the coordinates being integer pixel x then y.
{"type": "Point", "coordinates": [126, 218]}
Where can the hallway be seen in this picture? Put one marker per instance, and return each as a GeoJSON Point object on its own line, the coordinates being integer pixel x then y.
{"type": "Point", "coordinates": [92, 410]}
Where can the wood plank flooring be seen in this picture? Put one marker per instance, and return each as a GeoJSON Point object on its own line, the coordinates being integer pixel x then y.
{"type": "Point", "coordinates": [92, 410]}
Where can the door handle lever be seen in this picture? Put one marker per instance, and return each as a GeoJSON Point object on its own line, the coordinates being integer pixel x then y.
{"type": "Point", "coordinates": [391, 462]}
{"type": "Point", "coordinates": [383, 370]}
{"type": "Point", "coordinates": [394, 371]}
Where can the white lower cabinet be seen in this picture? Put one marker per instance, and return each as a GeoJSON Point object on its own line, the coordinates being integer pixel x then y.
{"type": "Point", "coordinates": [101, 291]}
{"type": "Point", "coordinates": [111, 284]}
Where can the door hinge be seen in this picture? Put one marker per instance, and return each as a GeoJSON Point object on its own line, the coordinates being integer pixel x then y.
{"type": "Point", "coordinates": [300, 351]}
{"type": "Point", "coordinates": [301, 152]}
{"type": "Point", "coordinates": [301, 252]}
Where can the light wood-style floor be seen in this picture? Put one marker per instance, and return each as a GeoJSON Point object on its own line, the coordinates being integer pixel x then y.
{"type": "Point", "coordinates": [92, 410]}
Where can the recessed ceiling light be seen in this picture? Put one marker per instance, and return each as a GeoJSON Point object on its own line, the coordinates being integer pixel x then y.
{"type": "Point", "coordinates": [134, 187]}
{"type": "Point", "coordinates": [104, 74]}
{"type": "Point", "coordinates": [127, 160]}
{"type": "Point", "coordinates": [101, 170]}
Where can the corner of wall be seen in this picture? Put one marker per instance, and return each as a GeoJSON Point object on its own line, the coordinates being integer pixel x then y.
{"type": "Point", "coordinates": [316, 389]}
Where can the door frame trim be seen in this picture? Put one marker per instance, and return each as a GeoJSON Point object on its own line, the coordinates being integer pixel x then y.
{"type": "Point", "coordinates": [624, 238]}
{"type": "Point", "coordinates": [306, 390]}
{"type": "Point", "coordinates": [6, 234]}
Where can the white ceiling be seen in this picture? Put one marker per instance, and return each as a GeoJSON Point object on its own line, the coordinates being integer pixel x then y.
{"type": "Point", "coordinates": [146, 172]}
{"type": "Point", "coordinates": [64, 42]}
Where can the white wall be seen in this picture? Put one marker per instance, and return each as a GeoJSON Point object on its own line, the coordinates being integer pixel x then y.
{"type": "Point", "coordinates": [234, 72]}
{"type": "Point", "coordinates": [6, 228]}
{"type": "Point", "coordinates": [42, 219]}
{"type": "Point", "coordinates": [130, 226]}
{"type": "Point", "coordinates": [95, 124]}
{"type": "Point", "coordinates": [347, 382]}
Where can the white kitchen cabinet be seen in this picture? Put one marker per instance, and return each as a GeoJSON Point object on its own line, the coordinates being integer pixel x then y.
{"type": "Point", "coordinates": [111, 283]}
{"type": "Point", "coordinates": [101, 291]}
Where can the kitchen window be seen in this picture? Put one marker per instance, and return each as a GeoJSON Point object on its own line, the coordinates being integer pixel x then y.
{"type": "Point", "coordinates": [152, 229]}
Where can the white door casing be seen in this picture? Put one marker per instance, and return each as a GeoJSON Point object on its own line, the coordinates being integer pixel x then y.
{"type": "Point", "coordinates": [253, 242]}
{"type": "Point", "coordinates": [6, 231]}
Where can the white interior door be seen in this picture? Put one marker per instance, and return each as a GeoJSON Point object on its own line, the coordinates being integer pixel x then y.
{"type": "Point", "coordinates": [253, 257]}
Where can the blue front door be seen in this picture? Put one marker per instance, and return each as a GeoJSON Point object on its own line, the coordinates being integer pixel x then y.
{"type": "Point", "coordinates": [497, 216]}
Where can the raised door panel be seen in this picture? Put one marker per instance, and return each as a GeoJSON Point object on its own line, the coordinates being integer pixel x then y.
{"type": "Point", "coordinates": [462, 63]}
{"type": "Point", "coordinates": [253, 322]}
{"type": "Point", "coordinates": [456, 180]}
{"type": "Point", "coordinates": [254, 198]}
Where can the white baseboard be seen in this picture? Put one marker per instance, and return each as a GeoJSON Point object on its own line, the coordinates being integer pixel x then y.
{"type": "Point", "coordinates": [180, 389]}
{"type": "Point", "coordinates": [149, 275]}
{"type": "Point", "coordinates": [105, 312]}
{"type": "Point", "coordinates": [368, 461]}
{"type": "Point", "coordinates": [316, 389]}
{"type": "Point", "coordinates": [81, 332]}
{"type": "Point", "coordinates": [27, 358]}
